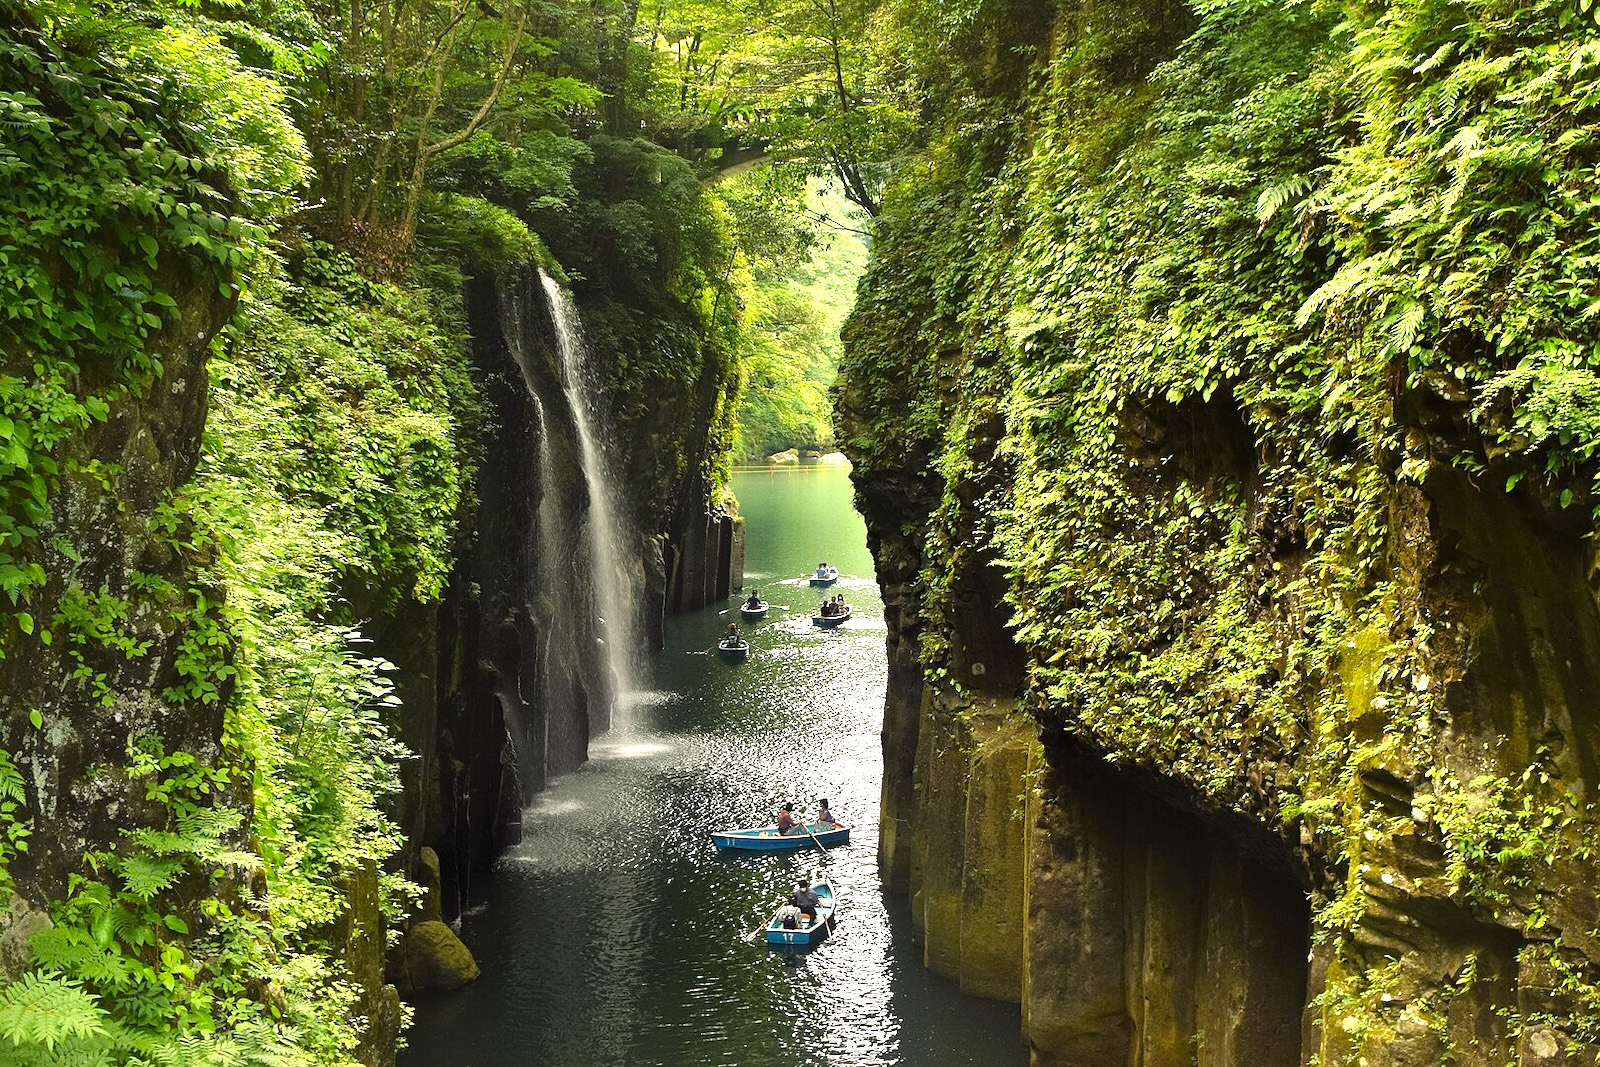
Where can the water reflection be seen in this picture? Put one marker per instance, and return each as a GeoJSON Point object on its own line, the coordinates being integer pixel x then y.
{"type": "Point", "coordinates": [616, 934]}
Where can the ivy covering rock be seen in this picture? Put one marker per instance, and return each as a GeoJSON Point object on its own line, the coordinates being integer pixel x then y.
{"type": "Point", "coordinates": [1248, 348]}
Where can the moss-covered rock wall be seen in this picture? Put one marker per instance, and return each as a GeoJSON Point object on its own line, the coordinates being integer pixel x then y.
{"type": "Point", "coordinates": [1209, 411]}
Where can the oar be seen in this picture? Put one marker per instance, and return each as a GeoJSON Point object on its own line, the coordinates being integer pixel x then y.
{"type": "Point", "coordinates": [712, 647]}
{"type": "Point", "coordinates": [814, 839]}
{"type": "Point", "coordinates": [753, 934]}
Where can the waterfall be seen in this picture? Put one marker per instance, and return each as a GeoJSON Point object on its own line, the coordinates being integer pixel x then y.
{"type": "Point", "coordinates": [568, 667]}
{"type": "Point", "coordinates": [613, 592]}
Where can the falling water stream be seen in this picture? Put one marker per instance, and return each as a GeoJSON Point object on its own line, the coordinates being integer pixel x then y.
{"type": "Point", "coordinates": [613, 936]}
{"type": "Point", "coordinates": [607, 531]}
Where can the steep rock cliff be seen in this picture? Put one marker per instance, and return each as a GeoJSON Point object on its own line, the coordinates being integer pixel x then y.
{"type": "Point", "coordinates": [1200, 433]}
{"type": "Point", "coordinates": [513, 683]}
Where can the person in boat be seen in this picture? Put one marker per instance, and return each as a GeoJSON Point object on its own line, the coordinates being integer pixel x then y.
{"type": "Point", "coordinates": [826, 609]}
{"type": "Point", "coordinates": [805, 898]}
{"type": "Point", "coordinates": [822, 570]}
{"type": "Point", "coordinates": [754, 601]}
{"type": "Point", "coordinates": [786, 819]}
{"type": "Point", "coordinates": [824, 815]}
{"type": "Point", "coordinates": [733, 636]}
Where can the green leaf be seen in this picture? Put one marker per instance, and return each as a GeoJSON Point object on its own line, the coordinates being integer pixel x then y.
{"type": "Point", "coordinates": [46, 1011]}
{"type": "Point", "coordinates": [36, 718]}
{"type": "Point", "coordinates": [148, 875]}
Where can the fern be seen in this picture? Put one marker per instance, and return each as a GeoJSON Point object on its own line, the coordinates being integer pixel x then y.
{"type": "Point", "coordinates": [11, 784]}
{"type": "Point", "coordinates": [72, 950]}
{"type": "Point", "coordinates": [1274, 198]}
{"type": "Point", "coordinates": [1404, 325]}
{"type": "Point", "coordinates": [45, 1010]}
{"type": "Point", "coordinates": [146, 876]}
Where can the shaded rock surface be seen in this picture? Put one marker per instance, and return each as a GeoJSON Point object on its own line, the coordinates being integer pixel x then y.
{"type": "Point", "coordinates": [1313, 705]}
{"type": "Point", "coordinates": [431, 957]}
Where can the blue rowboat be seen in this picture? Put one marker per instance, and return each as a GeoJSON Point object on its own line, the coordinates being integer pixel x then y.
{"type": "Point", "coordinates": [757, 612]}
{"type": "Point", "coordinates": [828, 578]}
{"type": "Point", "coordinates": [767, 838]}
{"type": "Point", "coordinates": [734, 648]}
{"type": "Point", "coordinates": [778, 936]}
{"type": "Point", "coordinates": [828, 622]}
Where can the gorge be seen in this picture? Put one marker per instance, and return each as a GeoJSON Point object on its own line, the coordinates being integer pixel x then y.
{"type": "Point", "coordinates": [1220, 399]}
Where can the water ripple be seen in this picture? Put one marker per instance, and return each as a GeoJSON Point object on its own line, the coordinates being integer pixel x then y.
{"type": "Point", "coordinates": [614, 933]}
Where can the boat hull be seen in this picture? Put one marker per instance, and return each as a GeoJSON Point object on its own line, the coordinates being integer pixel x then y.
{"type": "Point", "coordinates": [754, 613]}
{"type": "Point", "coordinates": [734, 652]}
{"type": "Point", "coordinates": [827, 916]}
{"type": "Point", "coordinates": [767, 839]}
{"type": "Point", "coordinates": [832, 576]}
{"type": "Point", "coordinates": [828, 622]}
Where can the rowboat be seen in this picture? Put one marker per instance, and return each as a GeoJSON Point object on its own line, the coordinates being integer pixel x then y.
{"type": "Point", "coordinates": [767, 838]}
{"type": "Point", "coordinates": [733, 648]}
{"type": "Point", "coordinates": [828, 622]}
{"type": "Point", "coordinates": [827, 578]}
{"type": "Point", "coordinates": [757, 612]}
{"type": "Point", "coordinates": [778, 936]}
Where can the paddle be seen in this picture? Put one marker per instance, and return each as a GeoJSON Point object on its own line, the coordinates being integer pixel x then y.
{"type": "Point", "coordinates": [753, 934]}
{"type": "Point", "coordinates": [814, 839]}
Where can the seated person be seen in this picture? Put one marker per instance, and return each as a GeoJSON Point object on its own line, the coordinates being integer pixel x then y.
{"type": "Point", "coordinates": [786, 819]}
{"type": "Point", "coordinates": [754, 601]}
{"type": "Point", "coordinates": [789, 917]}
{"type": "Point", "coordinates": [824, 815]}
{"type": "Point", "coordinates": [822, 570]}
{"type": "Point", "coordinates": [806, 899]}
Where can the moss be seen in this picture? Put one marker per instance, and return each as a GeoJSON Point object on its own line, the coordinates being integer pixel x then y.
{"type": "Point", "coordinates": [1256, 490]}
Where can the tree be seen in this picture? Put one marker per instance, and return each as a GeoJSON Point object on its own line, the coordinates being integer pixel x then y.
{"type": "Point", "coordinates": [796, 76]}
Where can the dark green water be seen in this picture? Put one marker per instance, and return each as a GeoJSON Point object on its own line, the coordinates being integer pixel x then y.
{"type": "Point", "coordinates": [612, 935]}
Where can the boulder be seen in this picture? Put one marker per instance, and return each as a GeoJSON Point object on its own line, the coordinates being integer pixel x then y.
{"type": "Point", "coordinates": [431, 956]}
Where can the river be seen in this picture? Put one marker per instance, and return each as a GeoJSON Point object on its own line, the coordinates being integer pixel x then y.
{"type": "Point", "coordinates": [612, 936]}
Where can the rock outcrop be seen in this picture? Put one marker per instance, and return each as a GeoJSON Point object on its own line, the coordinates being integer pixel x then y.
{"type": "Point", "coordinates": [1241, 635]}
{"type": "Point", "coordinates": [507, 681]}
{"type": "Point", "coordinates": [431, 957]}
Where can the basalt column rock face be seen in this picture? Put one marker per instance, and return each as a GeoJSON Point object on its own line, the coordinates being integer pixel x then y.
{"type": "Point", "coordinates": [705, 562]}
{"type": "Point", "coordinates": [93, 698]}
{"type": "Point", "coordinates": [508, 695]}
{"type": "Point", "coordinates": [505, 686]}
{"type": "Point", "coordinates": [1153, 938]}
{"type": "Point", "coordinates": [1291, 575]}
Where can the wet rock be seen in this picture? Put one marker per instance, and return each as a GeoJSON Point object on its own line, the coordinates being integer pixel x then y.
{"type": "Point", "coordinates": [426, 873]}
{"type": "Point", "coordinates": [431, 957]}
{"type": "Point", "coordinates": [362, 937]}
{"type": "Point", "coordinates": [19, 922]}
